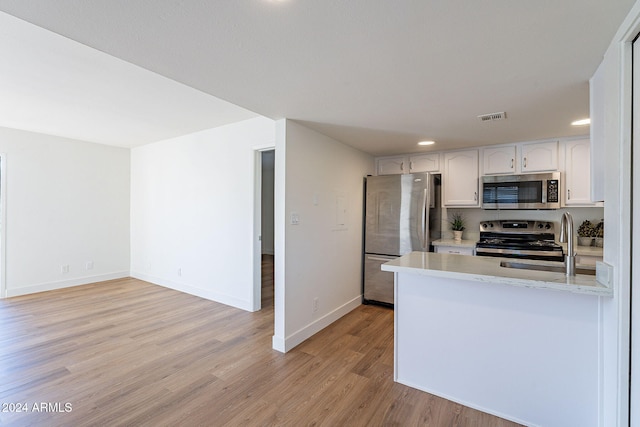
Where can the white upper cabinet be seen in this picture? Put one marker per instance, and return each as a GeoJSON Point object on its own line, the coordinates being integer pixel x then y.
{"type": "Point", "coordinates": [391, 165]}
{"type": "Point", "coordinates": [408, 164]}
{"type": "Point", "coordinates": [539, 156]}
{"type": "Point", "coordinates": [577, 181]}
{"type": "Point", "coordinates": [460, 180]}
{"type": "Point", "coordinates": [425, 163]}
{"type": "Point", "coordinates": [499, 160]}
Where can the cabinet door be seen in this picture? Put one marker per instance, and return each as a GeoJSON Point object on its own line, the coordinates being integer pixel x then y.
{"type": "Point", "coordinates": [540, 156]}
{"type": "Point", "coordinates": [460, 183]}
{"type": "Point", "coordinates": [578, 173]}
{"type": "Point", "coordinates": [453, 250]}
{"type": "Point", "coordinates": [597, 99]}
{"type": "Point", "coordinates": [499, 160]}
{"type": "Point", "coordinates": [425, 163]}
{"type": "Point", "coordinates": [392, 165]}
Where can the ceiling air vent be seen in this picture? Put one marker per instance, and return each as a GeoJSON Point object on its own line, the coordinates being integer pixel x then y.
{"type": "Point", "coordinates": [493, 116]}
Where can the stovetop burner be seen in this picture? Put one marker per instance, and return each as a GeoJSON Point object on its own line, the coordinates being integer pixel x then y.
{"type": "Point", "coordinates": [544, 243]}
{"type": "Point", "coordinates": [519, 239]}
{"type": "Point", "coordinates": [492, 241]}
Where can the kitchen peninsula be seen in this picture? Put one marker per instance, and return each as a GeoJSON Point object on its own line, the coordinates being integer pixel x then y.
{"type": "Point", "coordinates": [520, 344]}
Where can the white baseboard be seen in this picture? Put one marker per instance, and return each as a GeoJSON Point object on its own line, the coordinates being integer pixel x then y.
{"type": "Point", "coordinates": [196, 291]}
{"type": "Point", "coordinates": [285, 344]}
{"type": "Point", "coordinates": [51, 286]}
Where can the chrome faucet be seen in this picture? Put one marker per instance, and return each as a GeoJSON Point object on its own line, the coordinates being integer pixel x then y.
{"type": "Point", "coordinates": [566, 236]}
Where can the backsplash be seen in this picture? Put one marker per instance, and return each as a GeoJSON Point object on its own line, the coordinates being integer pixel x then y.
{"type": "Point", "coordinates": [473, 217]}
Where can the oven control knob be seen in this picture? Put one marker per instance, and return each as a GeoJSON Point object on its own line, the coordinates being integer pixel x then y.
{"type": "Point", "coordinates": [540, 225]}
{"type": "Point", "coordinates": [547, 226]}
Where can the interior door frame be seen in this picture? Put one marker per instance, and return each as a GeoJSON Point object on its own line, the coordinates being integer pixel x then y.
{"type": "Point", "coordinates": [632, 55]}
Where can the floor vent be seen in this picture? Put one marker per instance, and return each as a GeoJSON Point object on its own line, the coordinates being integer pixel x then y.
{"type": "Point", "coordinates": [493, 116]}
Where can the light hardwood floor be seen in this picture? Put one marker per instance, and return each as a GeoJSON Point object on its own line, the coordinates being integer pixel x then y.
{"type": "Point", "coordinates": [129, 353]}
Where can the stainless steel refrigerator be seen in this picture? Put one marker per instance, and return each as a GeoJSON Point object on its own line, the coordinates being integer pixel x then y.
{"type": "Point", "coordinates": [402, 214]}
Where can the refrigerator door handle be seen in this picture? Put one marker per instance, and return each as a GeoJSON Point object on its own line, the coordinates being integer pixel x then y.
{"type": "Point", "coordinates": [423, 232]}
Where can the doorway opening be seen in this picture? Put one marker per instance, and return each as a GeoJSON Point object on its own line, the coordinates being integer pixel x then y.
{"type": "Point", "coordinates": [264, 225]}
{"type": "Point", "coordinates": [267, 244]}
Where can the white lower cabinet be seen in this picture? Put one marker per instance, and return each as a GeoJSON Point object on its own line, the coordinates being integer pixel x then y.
{"type": "Point", "coordinates": [455, 250]}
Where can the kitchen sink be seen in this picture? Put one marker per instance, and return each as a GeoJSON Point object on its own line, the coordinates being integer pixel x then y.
{"type": "Point", "coordinates": [545, 267]}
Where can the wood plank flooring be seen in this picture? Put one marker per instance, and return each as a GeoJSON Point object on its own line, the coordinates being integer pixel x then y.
{"type": "Point", "coordinates": [129, 353]}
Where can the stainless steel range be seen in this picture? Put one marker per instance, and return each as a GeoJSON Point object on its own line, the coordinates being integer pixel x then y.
{"type": "Point", "coordinates": [519, 239]}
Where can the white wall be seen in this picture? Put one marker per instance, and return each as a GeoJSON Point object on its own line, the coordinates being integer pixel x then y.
{"type": "Point", "coordinates": [615, 130]}
{"type": "Point", "coordinates": [192, 211]}
{"type": "Point", "coordinates": [67, 203]}
{"type": "Point", "coordinates": [322, 254]}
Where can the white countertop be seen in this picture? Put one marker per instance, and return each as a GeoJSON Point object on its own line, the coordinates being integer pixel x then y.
{"type": "Point", "coordinates": [488, 270]}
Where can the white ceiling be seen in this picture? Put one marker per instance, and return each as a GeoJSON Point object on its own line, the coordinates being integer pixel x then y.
{"type": "Point", "coordinates": [379, 75]}
{"type": "Point", "coordinates": [50, 84]}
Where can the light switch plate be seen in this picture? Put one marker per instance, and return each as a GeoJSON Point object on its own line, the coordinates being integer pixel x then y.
{"type": "Point", "coordinates": [295, 218]}
{"type": "Point", "coordinates": [604, 273]}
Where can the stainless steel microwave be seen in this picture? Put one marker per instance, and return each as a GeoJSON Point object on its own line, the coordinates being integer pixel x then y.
{"type": "Point", "coordinates": [529, 191]}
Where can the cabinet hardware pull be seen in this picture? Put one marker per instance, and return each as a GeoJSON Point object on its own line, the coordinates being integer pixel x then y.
{"type": "Point", "coordinates": [524, 162]}
{"type": "Point", "coordinates": [410, 166]}
{"type": "Point", "coordinates": [568, 194]}
{"type": "Point", "coordinates": [402, 166]}
{"type": "Point", "coordinates": [475, 196]}
{"type": "Point", "coordinates": [511, 163]}
{"type": "Point", "coordinates": [374, 258]}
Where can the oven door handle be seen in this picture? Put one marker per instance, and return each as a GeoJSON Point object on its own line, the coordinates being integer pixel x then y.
{"type": "Point", "coordinates": [480, 250]}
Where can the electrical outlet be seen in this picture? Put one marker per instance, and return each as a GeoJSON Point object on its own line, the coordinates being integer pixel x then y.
{"type": "Point", "coordinates": [604, 273]}
{"type": "Point", "coordinates": [64, 268]}
{"type": "Point", "coordinates": [180, 272]}
{"type": "Point", "coordinates": [89, 265]}
{"type": "Point", "coordinates": [316, 303]}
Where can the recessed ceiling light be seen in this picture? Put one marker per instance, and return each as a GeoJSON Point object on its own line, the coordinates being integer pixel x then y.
{"type": "Point", "coordinates": [582, 122]}
{"type": "Point", "coordinates": [426, 142]}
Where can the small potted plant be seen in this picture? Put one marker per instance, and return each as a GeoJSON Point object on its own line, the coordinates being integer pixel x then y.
{"type": "Point", "coordinates": [586, 233]}
{"type": "Point", "coordinates": [457, 225]}
{"type": "Point", "coordinates": [599, 234]}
